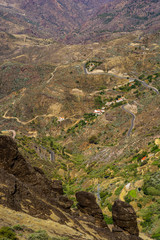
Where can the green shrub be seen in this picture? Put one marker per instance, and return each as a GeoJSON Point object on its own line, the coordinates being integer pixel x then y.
{"type": "Point", "coordinates": [147, 221]}
{"type": "Point", "coordinates": [118, 190]}
{"type": "Point", "coordinates": [7, 233]}
{"type": "Point", "coordinates": [18, 227]}
{"type": "Point", "coordinates": [39, 235]}
{"type": "Point", "coordinates": [153, 191]}
{"type": "Point", "coordinates": [139, 205]}
{"type": "Point", "coordinates": [156, 236]}
{"type": "Point", "coordinates": [89, 116]}
{"type": "Point", "coordinates": [141, 76]}
{"type": "Point", "coordinates": [98, 102]}
{"type": "Point", "coordinates": [131, 196]}
{"type": "Point", "coordinates": [133, 193]}
{"type": "Point", "coordinates": [104, 194]}
{"type": "Point", "coordinates": [155, 149]}
{"type": "Point", "coordinates": [127, 199]}
{"type": "Point", "coordinates": [152, 185]}
{"type": "Point", "coordinates": [107, 219]}
{"type": "Point", "coordinates": [110, 207]}
{"type": "Point", "coordinates": [156, 163]}
{"type": "Point", "coordinates": [141, 155]}
{"type": "Point", "coordinates": [150, 215]}
{"type": "Point", "coordinates": [137, 83]}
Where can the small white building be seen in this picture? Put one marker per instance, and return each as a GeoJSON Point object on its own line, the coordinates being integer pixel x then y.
{"type": "Point", "coordinates": [120, 99]}
{"type": "Point", "coordinates": [61, 119]}
{"type": "Point", "coordinates": [109, 103]}
{"type": "Point", "coordinates": [99, 112]}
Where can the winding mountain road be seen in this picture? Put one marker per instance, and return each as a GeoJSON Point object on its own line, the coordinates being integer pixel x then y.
{"type": "Point", "coordinates": [123, 77]}
{"type": "Point", "coordinates": [129, 79]}
{"type": "Point", "coordinates": [25, 123]}
{"type": "Point", "coordinates": [91, 73]}
{"type": "Point", "coordinates": [133, 119]}
{"type": "Point", "coordinates": [19, 121]}
{"type": "Point", "coordinates": [148, 86]}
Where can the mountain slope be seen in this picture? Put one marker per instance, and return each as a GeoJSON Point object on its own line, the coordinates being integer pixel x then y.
{"type": "Point", "coordinates": [53, 18]}
{"type": "Point", "coordinates": [122, 16]}
{"type": "Point", "coordinates": [26, 190]}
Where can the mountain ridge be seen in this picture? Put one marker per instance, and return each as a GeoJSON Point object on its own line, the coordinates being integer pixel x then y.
{"type": "Point", "coordinates": [121, 16]}
{"type": "Point", "coordinates": [53, 18]}
{"type": "Point", "coordinates": [77, 21]}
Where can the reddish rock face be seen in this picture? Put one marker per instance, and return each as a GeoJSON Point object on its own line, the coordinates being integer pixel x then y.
{"type": "Point", "coordinates": [125, 217]}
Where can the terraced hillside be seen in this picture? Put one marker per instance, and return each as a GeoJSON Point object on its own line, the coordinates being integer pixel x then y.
{"type": "Point", "coordinates": [71, 107]}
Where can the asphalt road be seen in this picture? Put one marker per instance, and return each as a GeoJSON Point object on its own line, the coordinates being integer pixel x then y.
{"type": "Point", "coordinates": [132, 122]}
{"type": "Point", "coordinates": [52, 154]}
{"type": "Point", "coordinates": [129, 79]}
{"type": "Point", "coordinates": [123, 107]}
{"type": "Point", "coordinates": [148, 86]}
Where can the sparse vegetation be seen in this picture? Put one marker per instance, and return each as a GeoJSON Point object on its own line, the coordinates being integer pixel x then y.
{"type": "Point", "coordinates": [42, 235]}
{"type": "Point", "coordinates": [91, 65]}
{"type": "Point", "coordinates": [7, 233]}
{"type": "Point", "coordinates": [96, 149]}
{"type": "Point", "coordinates": [152, 185]}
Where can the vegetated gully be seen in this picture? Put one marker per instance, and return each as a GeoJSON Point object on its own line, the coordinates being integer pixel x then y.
{"type": "Point", "coordinates": [131, 80]}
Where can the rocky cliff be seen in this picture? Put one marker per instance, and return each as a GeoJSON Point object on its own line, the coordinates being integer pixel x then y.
{"type": "Point", "coordinates": [25, 189]}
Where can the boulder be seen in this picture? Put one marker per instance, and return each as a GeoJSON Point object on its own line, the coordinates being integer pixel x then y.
{"type": "Point", "coordinates": [125, 217]}
{"type": "Point", "coordinates": [88, 206]}
{"type": "Point", "coordinates": [57, 186]}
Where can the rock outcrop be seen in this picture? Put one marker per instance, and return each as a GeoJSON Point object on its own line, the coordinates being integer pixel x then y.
{"type": "Point", "coordinates": [124, 217]}
{"type": "Point", "coordinates": [26, 189]}
{"type": "Point", "coordinates": [26, 185]}
{"type": "Point", "coordinates": [88, 206]}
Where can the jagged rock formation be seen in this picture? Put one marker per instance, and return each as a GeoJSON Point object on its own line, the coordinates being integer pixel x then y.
{"type": "Point", "coordinates": [26, 184]}
{"type": "Point", "coordinates": [87, 205]}
{"type": "Point", "coordinates": [124, 217]}
{"type": "Point", "coordinates": [26, 189]}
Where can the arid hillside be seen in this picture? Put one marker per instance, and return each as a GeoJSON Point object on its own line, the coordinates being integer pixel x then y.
{"type": "Point", "coordinates": [120, 16]}
{"type": "Point", "coordinates": [79, 119]}
{"type": "Point", "coordinates": [53, 18]}
{"type": "Point", "coordinates": [87, 115]}
{"type": "Point", "coordinates": [78, 21]}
